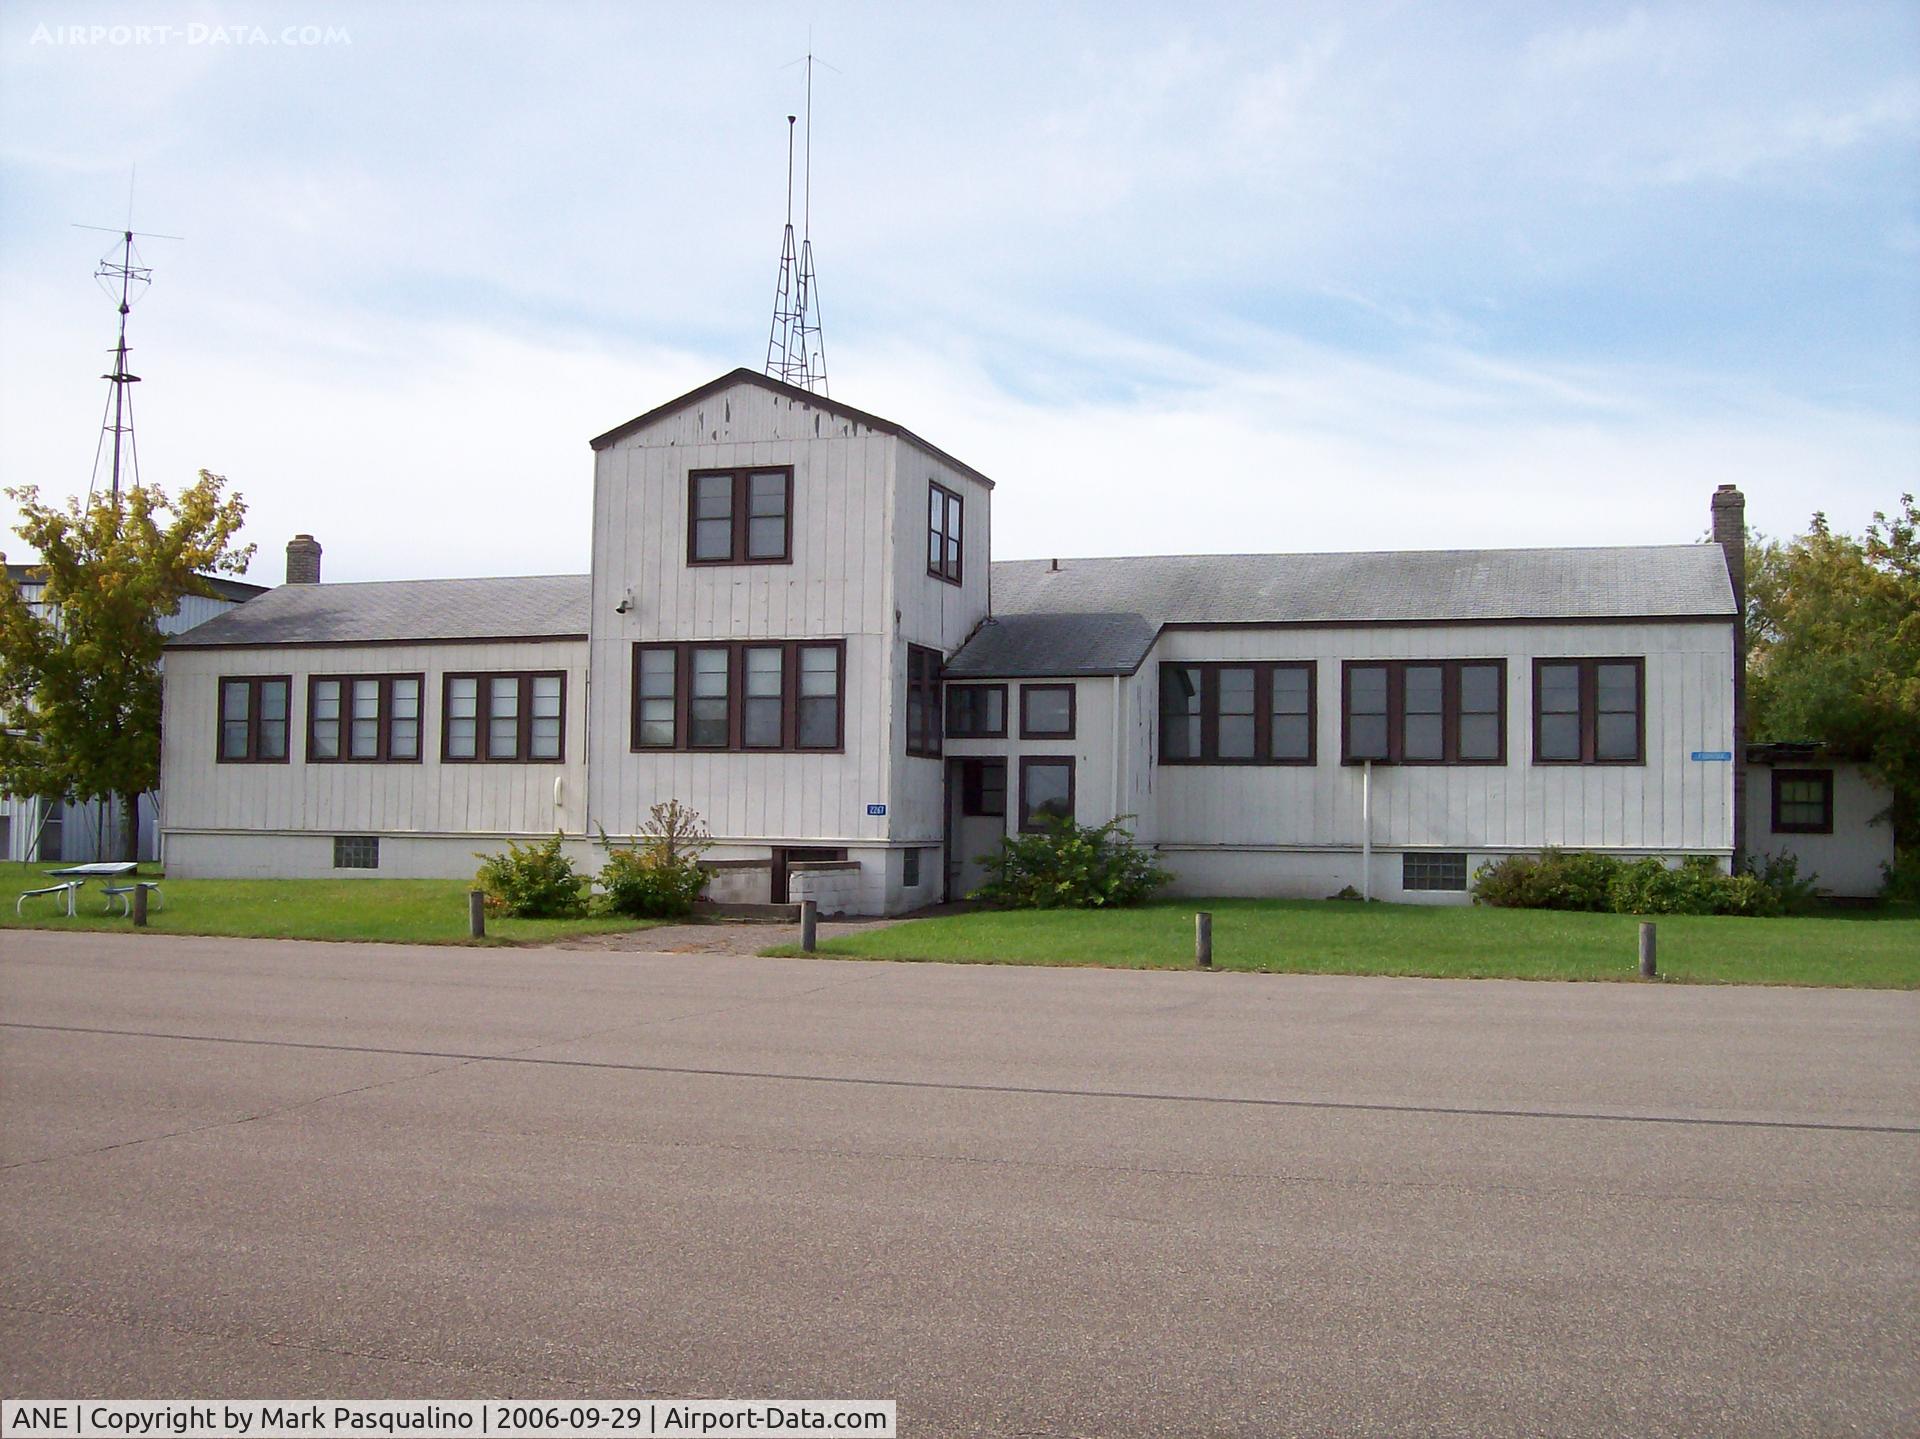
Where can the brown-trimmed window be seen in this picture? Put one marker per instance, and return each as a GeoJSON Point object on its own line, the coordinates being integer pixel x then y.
{"type": "Point", "coordinates": [504, 717]}
{"type": "Point", "coordinates": [741, 695]}
{"type": "Point", "coordinates": [1046, 790]}
{"type": "Point", "coordinates": [253, 719]}
{"type": "Point", "coordinates": [1803, 801]}
{"type": "Point", "coordinates": [923, 700]}
{"type": "Point", "coordinates": [946, 544]}
{"type": "Point", "coordinates": [1047, 711]}
{"type": "Point", "coordinates": [1424, 711]}
{"type": "Point", "coordinates": [976, 711]}
{"type": "Point", "coordinates": [983, 788]}
{"type": "Point", "coordinates": [364, 718]}
{"type": "Point", "coordinates": [1218, 713]}
{"type": "Point", "coordinates": [740, 517]}
{"type": "Point", "coordinates": [1590, 711]}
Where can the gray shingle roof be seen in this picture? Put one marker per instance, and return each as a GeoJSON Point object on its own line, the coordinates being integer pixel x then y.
{"type": "Point", "coordinates": [521, 607]}
{"type": "Point", "coordinates": [1070, 644]}
{"type": "Point", "coordinates": [1099, 616]}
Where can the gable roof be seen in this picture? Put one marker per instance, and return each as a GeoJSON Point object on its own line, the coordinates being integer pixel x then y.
{"type": "Point", "coordinates": [526, 607]}
{"type": "Point", "coordinates": [239, 591]}
{"type": "Point", "coordinates": [745, 376]}
{"type": "Point", "coordinates": [1105, 613]}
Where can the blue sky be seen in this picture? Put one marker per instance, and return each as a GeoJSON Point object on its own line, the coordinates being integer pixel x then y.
{"type": "Point", "coordinates": [1209, 278]}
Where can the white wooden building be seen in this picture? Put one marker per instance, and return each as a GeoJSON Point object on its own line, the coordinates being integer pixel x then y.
{"type": "Point", "coordinates": [792, 624]}
{"type": "Point", "coordinates": [42, 831]}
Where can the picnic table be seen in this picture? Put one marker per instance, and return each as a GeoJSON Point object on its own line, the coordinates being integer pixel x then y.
{"type": "Point", "coordinates": [73, 878]}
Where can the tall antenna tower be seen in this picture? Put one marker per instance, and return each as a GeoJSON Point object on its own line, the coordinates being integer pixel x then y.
{"type": "Point", "coordinates": [795, 351]}
{"type": "Point", "coordinates": [125, 279]}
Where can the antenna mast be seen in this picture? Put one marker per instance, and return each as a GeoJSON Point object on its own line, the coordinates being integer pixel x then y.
{"type": "Point", "coordinates": [125, 280]}
{"type": "Point", "coordinates": [795, 352]}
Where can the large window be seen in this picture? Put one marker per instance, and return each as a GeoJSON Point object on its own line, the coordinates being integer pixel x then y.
{"type": "Point", "coordinates": [1803, 801]}
{"type": "Point", "coordinates": [1589, 711]}
{"type": "Point", "coordinates": [945, 539]}
{"type": "Point", "coordinates": [923, 700]}
{"type": "Point", "coordinates": [253, 719]}
{"type": "Point", "coordinates": [740, 517]}
{"type": "Point", "coordinates": [1046, 790]}
{"type": "Point", "coordinates": [776, 695]}
{"type": "Point", "coordinates": [1424, 711]}
{"type": "Point", "coordinates": [976, 711]}
{"type": "Point", "coordinates": [1237, 714]}
{"type": "Point", "coordinates": [1046, 711]}
{"type": "Point", "coordinates": [513, 717]}
{"type": "Point", "coordinates": [363, 717]}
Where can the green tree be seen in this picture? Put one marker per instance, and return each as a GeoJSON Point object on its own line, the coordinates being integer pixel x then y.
{"type": "Point", "coordinates": [1833, 626]}
{"type": "Point", "coordinates": [80, 673]}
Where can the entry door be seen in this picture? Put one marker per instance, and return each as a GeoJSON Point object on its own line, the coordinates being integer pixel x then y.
{"type": "Point", "coordinates": [976, 819]}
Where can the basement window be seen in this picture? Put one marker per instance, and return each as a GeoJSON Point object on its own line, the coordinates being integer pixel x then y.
{"type": "Point", "coordinates": [356, 851]}
{"type": "Point", "coordinates": [910, 869]}
{"type": "Point", "coordinates": [1431, 871]}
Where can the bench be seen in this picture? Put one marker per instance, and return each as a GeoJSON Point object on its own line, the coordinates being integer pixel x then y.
{"type": "Point", "coordinates": [124, 893]}
{"type": "Point", "coordinates": [69, 887]}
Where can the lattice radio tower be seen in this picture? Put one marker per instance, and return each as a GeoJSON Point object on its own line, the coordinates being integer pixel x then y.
{"type": "Point", "coordinates": [125, 279]}
{"type": "Point", "coordinates": [795, 352]}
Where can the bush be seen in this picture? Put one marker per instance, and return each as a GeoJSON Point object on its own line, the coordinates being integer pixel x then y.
{"type": "Point", "coordinates": [1072, 866]}
{"type": "Point", "coordinates": [1697, 886]}
{"type": "Point", "coordinates": [1901, 879]}
{"type": "Point", "coordinates": [1599, 883]}
{"type": "Point", "coordinates": [1780, 873]}
{"type": "Point", "coordinates": [656, 875]}
{"type": "Point", "coordinates": [531, 881]}
{"type": "Point", "coordinates": [1555, 879]}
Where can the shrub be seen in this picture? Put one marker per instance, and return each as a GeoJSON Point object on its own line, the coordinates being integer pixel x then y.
{"type": "Point", "coordinates": [1901, 879]}
{"type": "Point", "coordinates": [1696, 886]}
{"type": "Point", "coordinates": [656, 875]}
{"type": "Point", "coordinates": [1555, 879]}
{"type": "Point", "coordinates": [531, 881]}
{"type": "Point", "coordinates": [1780, 873]}
{"type": "Point", "coordinates": [1072, 866]}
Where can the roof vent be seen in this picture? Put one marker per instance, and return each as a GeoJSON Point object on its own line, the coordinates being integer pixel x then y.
{"type": "Point", "coordinates": [303, 560]}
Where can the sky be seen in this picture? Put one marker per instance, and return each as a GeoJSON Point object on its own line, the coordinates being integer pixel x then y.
{"type": "Point", "coordinates": [1206, 278]}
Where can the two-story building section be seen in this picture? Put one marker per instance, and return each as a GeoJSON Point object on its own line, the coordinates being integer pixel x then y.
{"type": "Point", "coordinates": [792, 624]}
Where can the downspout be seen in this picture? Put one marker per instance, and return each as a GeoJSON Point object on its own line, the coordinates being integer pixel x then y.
{"type": "Point", "coordinates": [1119, 807]}
{"type": "Point", "coordinates": [1366, 829]}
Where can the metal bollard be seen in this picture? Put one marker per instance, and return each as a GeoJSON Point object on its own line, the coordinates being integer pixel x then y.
{"type": "Point", "coordinates": [1646, 950]}
{"type": "Point", "coordinates": [139, 906]}
{"type": "Point", "coordinates": [1203, 939]}
{"type": "Point", "coordinates": [477, 913]}
{"type": "Point", "coordinates": [809, 918]}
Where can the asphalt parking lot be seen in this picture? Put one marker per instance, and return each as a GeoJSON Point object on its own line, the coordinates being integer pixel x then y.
{"type": "Point", "coordinates": [1018, 1201]}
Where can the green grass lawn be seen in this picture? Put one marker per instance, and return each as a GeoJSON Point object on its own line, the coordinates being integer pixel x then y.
{"type": "Point", "coordinates": [1877, 949]}
{"type": "Point", "coordinates": [412, 911]}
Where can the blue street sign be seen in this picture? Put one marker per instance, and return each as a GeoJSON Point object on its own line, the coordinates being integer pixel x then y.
{"type": "Point", "coordinates": [1712, 754]}
{"type": "Point", "coordinates": [876, 809]}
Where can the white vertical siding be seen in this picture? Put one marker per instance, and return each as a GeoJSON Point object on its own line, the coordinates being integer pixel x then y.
{"type": "Point", "coordinates": [426, 798]}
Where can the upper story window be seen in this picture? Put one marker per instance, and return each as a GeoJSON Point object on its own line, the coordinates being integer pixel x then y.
{"type": "Point", "coordinates": [253, 719]}
{"type": "Point", "coordinates": [1424, 711]}
{"type": "Point", "coordinates": [1046, 711]}
{"type": "Point", "coordinates": [363, 717]}
{"type": "Point", "coordinates": [740, 517]}
{"type": "Point", "coordinates": [1803, 801]}
{"type": "Point", "coordinates": [1589, 711]}
{"type": "Point", "coordinates": [778, 695]}
{"type": "Point", "coordinates": [509, 717]}
{"type": "Point", "coordinates": [976, 711]}
{"type": "Point", "coordinates": [1217, 713]}
{"type": "Point", "coordinates": [923, 700]}
{"type": "Point", "coordinates": [944, 541]}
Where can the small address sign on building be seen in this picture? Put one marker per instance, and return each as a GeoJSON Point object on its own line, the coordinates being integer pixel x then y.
{"type": "Point", "coordinates": [876, 809]}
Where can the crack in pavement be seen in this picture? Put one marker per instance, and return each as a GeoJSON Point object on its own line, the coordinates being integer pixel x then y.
{"type": "Point", "coordinates": [977, 1087]}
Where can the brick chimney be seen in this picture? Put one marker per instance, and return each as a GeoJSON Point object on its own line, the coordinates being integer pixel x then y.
{"type": "Point", "coordinates": [1730, 533]}
{"type": "Point", "coordinates": [303, 560]}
